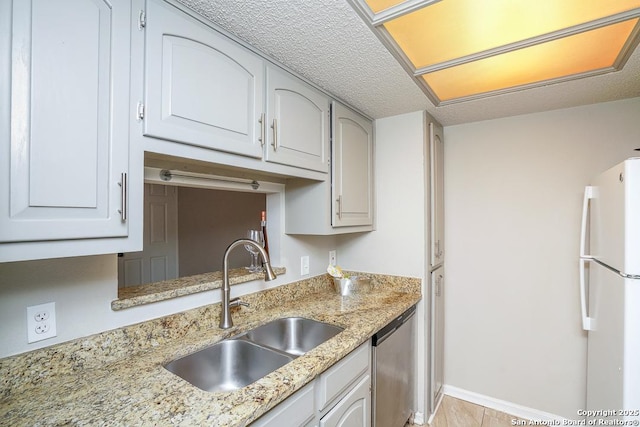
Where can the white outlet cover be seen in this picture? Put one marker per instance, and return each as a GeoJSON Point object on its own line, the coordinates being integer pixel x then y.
{"type": "Point", "coordinates": [304, 265]}
{"type": "Point", "coordinates": [41, 322]}
{"type": "Point", "coordinates": [332, 258]}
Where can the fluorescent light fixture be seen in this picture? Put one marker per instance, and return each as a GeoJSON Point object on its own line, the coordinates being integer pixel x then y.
{"type": "Point", "coordinates": [458, 50]}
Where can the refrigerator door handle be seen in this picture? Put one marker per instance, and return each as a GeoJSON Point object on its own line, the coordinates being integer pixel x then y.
{"type": "Point", "coordinates": [586, 320]}
{"type": "Point", "coordinates": [588, 195]}
{"type": "Point", "coordinates": [584, 258]}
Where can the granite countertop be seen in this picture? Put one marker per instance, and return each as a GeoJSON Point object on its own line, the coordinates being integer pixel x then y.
{"type": "Point", "coordinates": [117, 377]}
{"type": "Point", "coordinates": [160, 291]}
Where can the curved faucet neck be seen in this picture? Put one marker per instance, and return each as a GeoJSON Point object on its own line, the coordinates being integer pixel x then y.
{"type": "Point", "coordinates": [225, 317]}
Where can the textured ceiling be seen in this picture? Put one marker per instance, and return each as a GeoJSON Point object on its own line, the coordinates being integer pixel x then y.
{"type": "Point", "coordinates": [327, 43]}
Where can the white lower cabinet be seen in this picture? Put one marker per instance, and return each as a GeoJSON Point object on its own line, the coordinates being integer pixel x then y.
{"type": "Point", "coordinates": [340, 396]}
{"type": "Point", "coordinates": [354, 410]}
{"type": "Point", "coordinates": [298, 410]}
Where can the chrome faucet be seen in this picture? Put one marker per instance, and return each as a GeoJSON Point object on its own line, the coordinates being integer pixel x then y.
{"type": "Point", "coordinates": [225, 317]}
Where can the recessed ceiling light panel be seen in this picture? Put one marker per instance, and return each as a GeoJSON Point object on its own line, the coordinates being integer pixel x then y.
{"type": "Point", "coordinates": [457, 49]}
{"type": "Point", "coordinates": [590, 51]}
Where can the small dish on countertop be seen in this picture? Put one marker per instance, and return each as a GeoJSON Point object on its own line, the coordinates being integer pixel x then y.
{"type": "Point", "coordinates": [350, 285]}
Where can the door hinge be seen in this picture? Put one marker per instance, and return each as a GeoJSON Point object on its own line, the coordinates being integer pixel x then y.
{"type": "Point", "coordinates": [142, 20]}
{"type": "Point", "coordinates": [140, 111]}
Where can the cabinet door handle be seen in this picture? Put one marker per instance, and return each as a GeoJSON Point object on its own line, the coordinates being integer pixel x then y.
{"type": "Point", "coordinates": [438, 250]}
{"type": "Point", "coordinates": [438, 289]}
{"type": "Point", "coordinates": [339, 203]}
{"type": "Point", "coordinates": [123, 194]}
{"type": "Point", "coordinates": [262, 130]}
{"type": "Point", "coordinates": [274, 126]}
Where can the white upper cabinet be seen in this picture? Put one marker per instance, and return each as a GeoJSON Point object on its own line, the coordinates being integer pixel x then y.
{"type": "Point", "coordinates": [297, 123]}
{"type": "Point", "coordinates": [436, 149]}
{"type": "Point", "coordinates": [64, 119]}
{"type": "Point", "coordinates": [352, 188]}
{"type": "Point", "coordinates": [200, 88]}
{"type": "Point", "coordinates": [343, 204]}
{"type": "Point", "coordinates": [222, 102]}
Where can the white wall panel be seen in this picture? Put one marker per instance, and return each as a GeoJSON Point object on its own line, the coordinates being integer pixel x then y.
{"type": "Point", "coordinates": [512, 211]}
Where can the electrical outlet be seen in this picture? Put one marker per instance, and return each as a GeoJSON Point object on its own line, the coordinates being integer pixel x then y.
{"type": "Point", "coordinates": [332, 258]}
{"type": "Point", "coordinates": [41, 322]}
{"type": "Point", "coordinates": [304, 265]}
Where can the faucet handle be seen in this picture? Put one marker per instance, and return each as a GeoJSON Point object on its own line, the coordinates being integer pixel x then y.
{"type": "Point", "coordinates": [235, 302]}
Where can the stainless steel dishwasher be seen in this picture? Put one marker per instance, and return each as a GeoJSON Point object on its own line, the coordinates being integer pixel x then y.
{"type": "Point", "coordinates": [393, 366]}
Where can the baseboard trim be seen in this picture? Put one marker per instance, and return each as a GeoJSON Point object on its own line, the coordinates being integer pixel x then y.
{"type": "Point", "coordinates": [435, 410]}
{"type": "Point", "coordinates": [500, 405]}
{"type": "Point", "coordinates": [418, 418]}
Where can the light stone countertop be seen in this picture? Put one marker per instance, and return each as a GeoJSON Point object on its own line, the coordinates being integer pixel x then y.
{"type": "Point", "coordinates": [117, 378]}
{"type": "Point", "coordinates": [160, 291]}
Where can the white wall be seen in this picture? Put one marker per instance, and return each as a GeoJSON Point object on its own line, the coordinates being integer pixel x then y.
{"type": "Point", "coordinates": [513, 193]}
{"type": "Point", "coordinates": [397, 246]}
{"type": "Point", "coordinates": [83, 288]}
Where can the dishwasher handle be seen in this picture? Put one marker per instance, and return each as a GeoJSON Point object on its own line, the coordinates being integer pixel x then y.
{"type": "Point", "coordinates": [384, 333]}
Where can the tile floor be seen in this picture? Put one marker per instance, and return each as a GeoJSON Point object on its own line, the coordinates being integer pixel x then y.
{"type": "Point", "coordinates": [459, 413]}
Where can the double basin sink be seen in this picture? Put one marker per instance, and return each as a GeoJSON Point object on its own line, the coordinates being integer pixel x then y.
{"type": "Point", "coordinates": [239, 361]}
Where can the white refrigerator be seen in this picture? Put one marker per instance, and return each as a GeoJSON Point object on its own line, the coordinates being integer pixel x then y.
{"type": "Point", "coordinates": [610, 291]}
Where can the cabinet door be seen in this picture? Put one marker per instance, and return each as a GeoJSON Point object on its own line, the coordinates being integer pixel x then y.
{"type": "Point", "coordinates": [200, 88]}
{"type": "Point", "coordinates": [297, 411]}
{"type": "Point", "coordinates": [297, 123]}
{"type": "Point", "coordinates": [354, 410]}
{"type": "Point", "coordinates": [436, 355]}
{"type": "Point", "coordinates": [64, 96]}
{"type": "Point", "coordinates": [436, 148]}
{"type": "Point", "coordinates": [352, 162]}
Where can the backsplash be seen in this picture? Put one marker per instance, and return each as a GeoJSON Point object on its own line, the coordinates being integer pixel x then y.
{"type": "Point", "coordinates": [29, 369]}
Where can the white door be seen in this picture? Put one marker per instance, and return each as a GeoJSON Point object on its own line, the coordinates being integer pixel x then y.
{"type": "Point", "coordinates": [200, 88]}
{"type": "Point", "coordinates": [436, 148]}
{"type": "Point", "coordinates": [436, 355]}
{"type": "Point", "coordinates": [352, 168]}
{"type": "Point", "coordinates": [297, 123]}
{"type": "Point", "coordinates": [158, 260]}
{"type": "Point", "coordinates": [64, 147]}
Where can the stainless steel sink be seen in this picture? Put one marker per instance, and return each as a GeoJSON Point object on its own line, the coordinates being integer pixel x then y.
{"type": "Point", "coordinates": [293, 335]}
{"type": "Point", "coordinates": [227, 365]}
{"type": "Point", "coordinates": [236, 362]}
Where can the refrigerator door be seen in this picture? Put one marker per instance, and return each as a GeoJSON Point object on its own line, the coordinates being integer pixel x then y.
{"type": "Point", "coordinates": [613, 371]}
{"type": "Point", "coordinates": [615, 218]}
{"type": "Point", "coordinates": [605, 355]}
{"type": "Point", "coordinates": [631, 374]}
